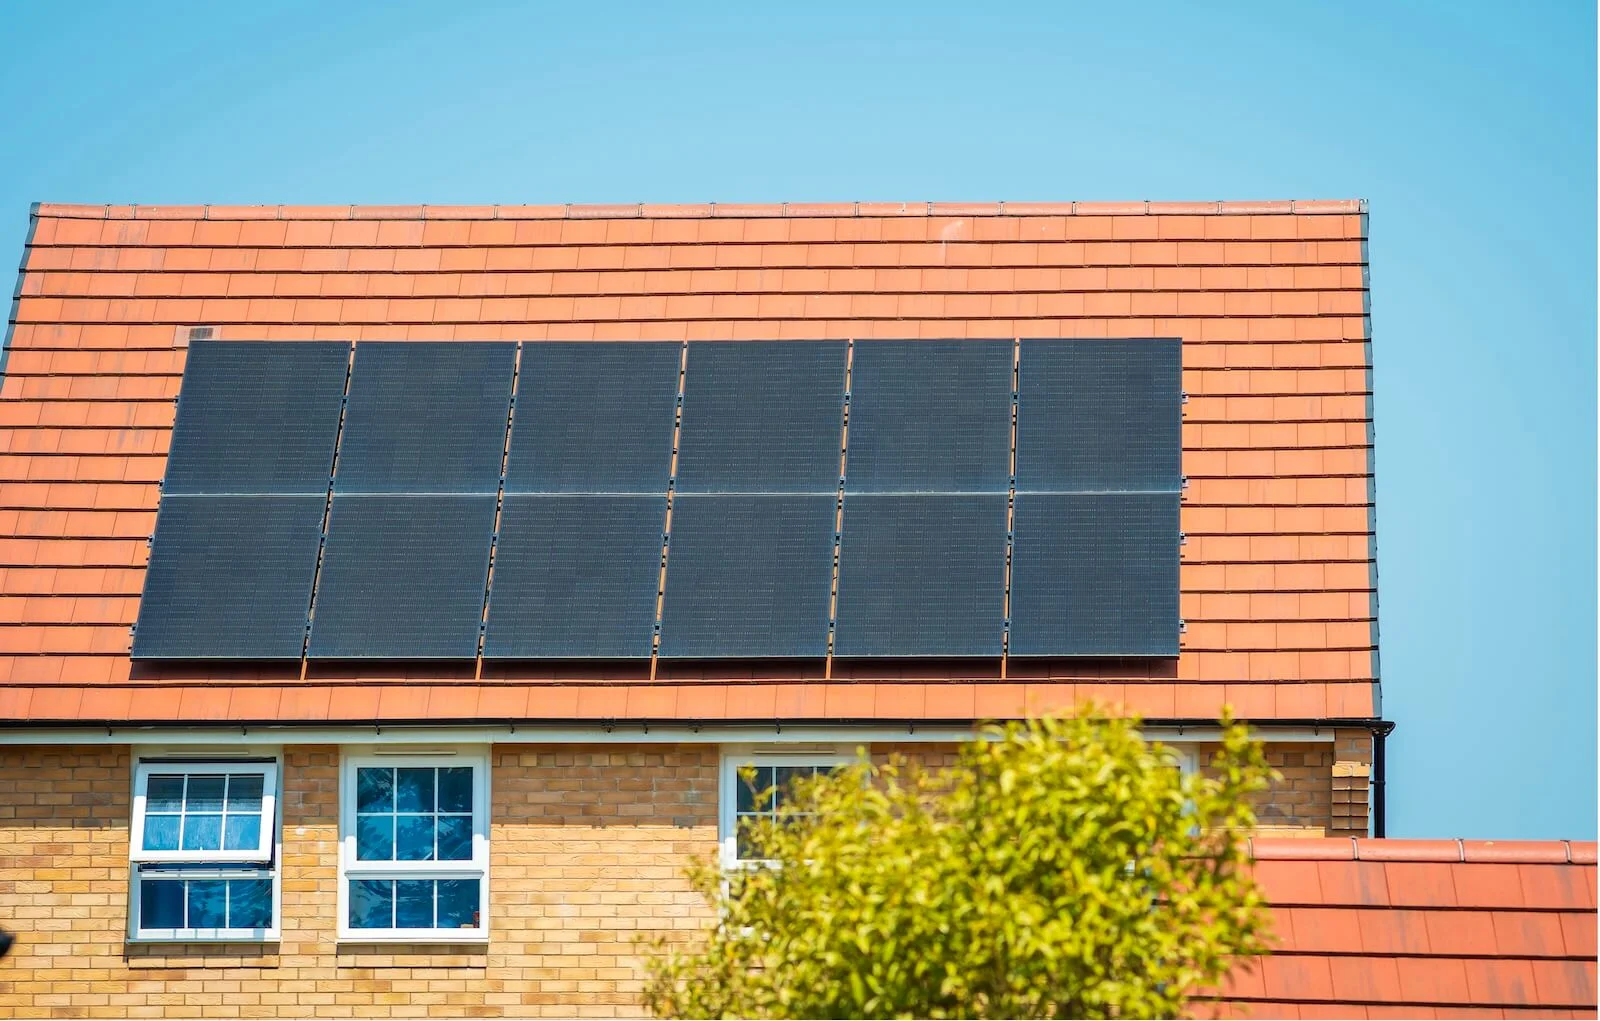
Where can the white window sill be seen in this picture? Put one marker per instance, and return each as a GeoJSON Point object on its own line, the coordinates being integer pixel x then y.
{"type": "Point", "coordinates": [429, 936]}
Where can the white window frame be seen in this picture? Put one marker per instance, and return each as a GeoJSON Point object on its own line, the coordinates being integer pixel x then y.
{"type": "Point", "coordinates": [261, 862]}
{"type": "Point", "coordinates": [268, 771]}
{"type": "Point", "coordinates": [735, 757]}
{"type": "Point", "coordinates": [351, 869]}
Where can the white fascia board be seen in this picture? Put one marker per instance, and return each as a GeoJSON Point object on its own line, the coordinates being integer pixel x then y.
{"type": "Point", "coordinates": [220, 738]}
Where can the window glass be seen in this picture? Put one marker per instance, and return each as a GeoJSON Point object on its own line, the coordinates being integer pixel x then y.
{"type": "Point", "coordinates": [414, 813]}
{"type": "Point", "coordinates": [761, 791]}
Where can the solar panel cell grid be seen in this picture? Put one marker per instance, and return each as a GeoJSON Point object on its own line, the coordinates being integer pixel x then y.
{"type": "Point", "coordinates": [257, 417]}
{"type": "Point", "coordinates": [1095, 575]}
{"type": "Point", "coordinates": [426, 418]}
{"type": "Point", "coordinates": [575, 577]}
{"type": "Point", "coordinates": [749, 576]}
{"type": "Point", "coordinates": [594, 418]}
{"type": "Point", "coordinates": [930, 416]}
{"type": "Point", "coordinates": [229, 577]}
{"type": "Point", "coordinates": [1099, 415]}
{"type": "Point", "coordinates": [403, 577]}
{"type": "Point", "coordinates": [762, 417]}
{"type": "Point", "coordinates": [922, 576]}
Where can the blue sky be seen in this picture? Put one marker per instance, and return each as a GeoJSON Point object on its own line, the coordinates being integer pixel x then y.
{"type": "Point", "coordinates": [1469, 126]}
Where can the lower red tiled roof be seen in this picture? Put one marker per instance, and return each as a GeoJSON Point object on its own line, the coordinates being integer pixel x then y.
{"type": "Point", "coordinates": [1423, 929]}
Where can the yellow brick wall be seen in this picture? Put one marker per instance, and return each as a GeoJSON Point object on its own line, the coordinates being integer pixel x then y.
{"type": "Point", "coordinates": [587, 848]}
{"type": "Point", "coordinates": [1323, 791]}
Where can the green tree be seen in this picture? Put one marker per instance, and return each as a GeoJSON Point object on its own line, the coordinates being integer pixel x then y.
{"type": "Point", "coordinates": [1061, 868]}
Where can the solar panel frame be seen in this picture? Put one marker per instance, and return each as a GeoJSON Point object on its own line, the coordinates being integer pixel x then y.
{"type": "Point", "coordinates": [921, 576]}
{"type": "Point", "coordinates": [762, 417]}
{"type": "Point", "coordinates": [930, 416]}
{"type": "Point", "coordinates": [257, 417]}
{"type": "Point", "coordinates": [575, 577]}
{"type": "Point", "coordinates": [749, 576]}
{"type": "Point", "coordinates": [594, 418]}
{"type": "Point", "coordinates": [403, 577]}
{"type": "Point", "coordinates": [229, 578]}
{"type": "Point", "coordinates": [426, 417]}
{"type": "Point", "coordinates": [1095, 574]}
{"type": "Point", "coordinates": [1100, 415]}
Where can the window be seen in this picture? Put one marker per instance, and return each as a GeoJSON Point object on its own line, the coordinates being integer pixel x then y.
{"type": "Point", "coordinates": [204, 850]}
{"type": "Point", "coordinates": [414, 847]}
{"type": "Point", "coordinates": [746, 775]}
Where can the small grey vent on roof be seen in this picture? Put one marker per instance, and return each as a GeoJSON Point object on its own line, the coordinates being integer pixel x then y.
{"type": "Point", "coordinates": [185, 334]}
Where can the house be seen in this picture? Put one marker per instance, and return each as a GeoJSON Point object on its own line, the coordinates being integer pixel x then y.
{"type": "Point", "coordinates": [392, 593]}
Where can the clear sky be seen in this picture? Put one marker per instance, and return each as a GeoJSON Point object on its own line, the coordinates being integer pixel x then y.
{"type": "Point", "coordinates": [1469, 126]}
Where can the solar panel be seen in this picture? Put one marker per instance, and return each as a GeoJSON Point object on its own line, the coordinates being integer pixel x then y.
{"type": "Point", "coordinates": [1095, 575]}
{"type": "Point", "coordinates": [403, 577]}
{"type": "Point", "coordinates": [575, 577]}
{"type": "Point", "coordinates": [748, 576]}
{"type": "Point", "coordinates": [1099, 415]}
{"type": "Point", "coordinates": [922, 576]}
{"type": "Point", "coordinates": [257, 417]}
{"type": "Point", "coordinates": [762, 417]}
{"type": "Point", "coordinates": [426, 418]}
{"type": "Point", "coordinates": [930, 416]}
{"type": "Point", "coordinates": [229, 577]}
{"type": "Point", "coordinates": [594, 418]}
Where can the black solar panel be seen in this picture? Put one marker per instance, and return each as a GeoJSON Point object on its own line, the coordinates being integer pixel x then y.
{"type": "Point", "coordinates": [257, 417]}
{"type": "Point", "coordinates": [575, 577]}
{"type": "Point", "coordinates": [594, 418]}
{"type": "Point", "coordinates": [1099, 415]}
{"type": "Point", "coordinates": [1095, 575]}
{"type": "Point", "coordinates": [403, 577]}
{"type": "Point", "coordinates": [229, 577]}
{"type": "Point", "coordinates": [922, 576]}
{"type": "Point", "coordinates": [762, 417]}
{"type": "Point", "coordinates": [930, 416]}
{"type": "Point", "coordinates": [426, 418]}
{"type": "Point", "coordinates": [748, 576]}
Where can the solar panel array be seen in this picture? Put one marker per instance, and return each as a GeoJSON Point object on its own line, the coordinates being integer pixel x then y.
{"type": "Point", "coordinates": [765, 499]}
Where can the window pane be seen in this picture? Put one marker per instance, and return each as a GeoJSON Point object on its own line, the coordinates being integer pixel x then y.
{"type": "Point", "coordinates": [208, 904]}
{"type": "Point", "coordinates": [414, 838]}
{"type": "Point", "coordinates": [458, 903]}
{"type": "Point", "coordinates": [243, 833]}
{"type": "Point", "coordinates": [455, 789]}
{"type": "Point", "coordinates": [249, 903]}
{"type": "Point", "coordinates": [371, 904]}
{"type": "Point", "coordinates": [746, 839]}
{"type": "Point", "coordinates": [161, 832]}
{"type": "Point", "coordinates": [164, 793]}
{"type": "Point", "coordinates": [414, 790]}
{"type": "Point", "coordinates": [205, 793]}
{"type": "Point", "coordinates": [160, 904]}
{"type": "Point", "coordinates": [202, 832]}
{"type": "Point", "coordinates": [375, 789]}
{"type": "Point", "coordinates": [786, 776]}
{"type": "Point", "coordinates": [375, 838]}
{"type": "Point", "coordinates": [244, 793]}
{"type": "Point", "coordinates": [752, 783]}
{"type": "Point", "coordinates": [413, 904]}
{"type": "Point", "coordinates": [455, 838]}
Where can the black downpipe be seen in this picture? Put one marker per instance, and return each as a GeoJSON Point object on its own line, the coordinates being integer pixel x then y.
{"type": "Point", "coordinates": [1379, 820]}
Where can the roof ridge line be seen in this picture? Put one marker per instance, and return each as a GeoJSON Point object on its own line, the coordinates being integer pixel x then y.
{"type": "Point", "coordinates": [1450, 851]}
{"type": "Point", "coordinates": [707, 210]}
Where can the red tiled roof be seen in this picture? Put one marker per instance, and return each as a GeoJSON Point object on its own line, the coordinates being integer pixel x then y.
{"type": "Point", "coordinates": [1270, 299]}
{"type": "Point", "coordinates": [1423, 929]}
